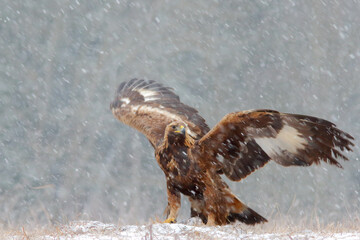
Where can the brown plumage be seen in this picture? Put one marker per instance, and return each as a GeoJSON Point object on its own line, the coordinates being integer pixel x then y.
{"type": "Point", "coordinates": [193, 157]}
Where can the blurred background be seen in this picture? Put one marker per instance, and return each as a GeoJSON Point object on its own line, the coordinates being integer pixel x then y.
{"type": "Point", "coordinates": [64, 157]}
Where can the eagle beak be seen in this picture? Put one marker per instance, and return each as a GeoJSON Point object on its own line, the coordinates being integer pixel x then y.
{"type": "Point", "coordinates": [181, 130]}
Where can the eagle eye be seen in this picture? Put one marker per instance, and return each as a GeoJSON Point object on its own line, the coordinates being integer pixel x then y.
{"type": "Point", "coordinates": [173, 127]}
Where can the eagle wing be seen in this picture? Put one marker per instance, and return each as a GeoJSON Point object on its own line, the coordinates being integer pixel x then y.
{"type": "Point", "coordinates": [245, 141]}
{"type": "Point", "coordinates": [149, 107]}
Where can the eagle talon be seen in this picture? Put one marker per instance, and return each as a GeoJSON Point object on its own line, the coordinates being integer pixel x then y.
{"type": "Point", "coordinates": [170, 220]}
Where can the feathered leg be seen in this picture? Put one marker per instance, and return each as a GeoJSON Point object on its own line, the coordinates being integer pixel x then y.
{"type": "Point", "coordinates": [174, 203]}
{"type": "Point", "coordinates": [214, 209]}
{"type": "Point", "coordinates": [197, 209]}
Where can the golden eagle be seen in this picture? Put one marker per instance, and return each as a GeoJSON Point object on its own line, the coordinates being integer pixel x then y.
{"type": "Point", "coordinates": [193, 157]}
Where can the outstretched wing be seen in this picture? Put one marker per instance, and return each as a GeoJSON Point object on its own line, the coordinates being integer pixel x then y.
{"type": "Point", "coordinates": [244, 141]}
{"type": "Point", "coordinates": [149, 107]}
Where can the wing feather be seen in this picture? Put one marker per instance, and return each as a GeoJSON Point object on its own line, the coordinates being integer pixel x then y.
{"type": "Point", "coordinates": [244, 141]}
{"type": "Point", "coordinates": [149, 107]}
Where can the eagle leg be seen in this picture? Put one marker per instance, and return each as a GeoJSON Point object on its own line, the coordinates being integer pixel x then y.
{"type": "Point", "coordinates": [197, 209]}
{"type": "Point", "coordinates": [211, 220]}
{"type": "Point", "coordinates": [212, 206]}
{"type": "Point", "coordinates": [174, 203]}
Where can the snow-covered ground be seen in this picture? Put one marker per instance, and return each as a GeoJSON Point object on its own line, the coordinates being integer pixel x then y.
{"type": "Point", "coordinates": [191, 230]}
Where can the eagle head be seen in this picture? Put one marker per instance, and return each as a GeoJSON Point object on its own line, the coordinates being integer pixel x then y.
{"type": "Point", "coordinates": [175, 133]}
{"type": "Point", "coordinates": [176, 128]}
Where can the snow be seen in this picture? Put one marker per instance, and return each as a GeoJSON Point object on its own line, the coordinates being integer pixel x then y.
{"type": "Point", "coordinates": [63, 155]}
{"type": "Point", "coordinates": [81, 230]}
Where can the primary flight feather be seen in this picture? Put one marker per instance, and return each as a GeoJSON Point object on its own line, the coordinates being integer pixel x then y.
{"type": "Point", "coordinates": [193, 157]}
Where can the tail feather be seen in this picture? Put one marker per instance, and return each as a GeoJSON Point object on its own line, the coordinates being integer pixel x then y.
{"type": "Point", "coordinates": [232, 210]}
{"type": "Point", "coordinates": [247, 216]}
{"type": "Point", "coordinates": [239, 211]}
